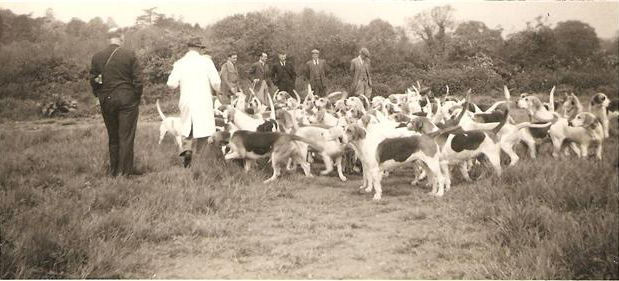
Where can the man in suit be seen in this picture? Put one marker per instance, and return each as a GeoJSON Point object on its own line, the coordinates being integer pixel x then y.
{"type": "Point", "coordinates": [361, 79]}
{"type": "Point", "coordinates": [259, 75]}
{"type": "Point", "coordinates": [283, 74]}
{"type": "Point", "coordinates": [116, 80]}
{"type": "Point", "coordinates": [314, 71]}
{"type": "Point", "coordinates": [229, 79]}
{"type": "Point", "coordinates": [197, 77]}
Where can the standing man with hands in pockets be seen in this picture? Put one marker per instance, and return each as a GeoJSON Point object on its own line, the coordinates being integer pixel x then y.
{"type": "Point", "coordinates": [229, 79]}
{"type": "Point", "coordinates": [197, 77]}
{"type": "Point", "coordinates": [116, 80]}
{"type": "Point", "coordinates": [360, 69]}
{"type": "Point", "coordinates": [315, 71]}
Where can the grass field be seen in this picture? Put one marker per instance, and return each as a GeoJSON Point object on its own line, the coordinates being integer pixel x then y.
{"type": "Point", "coordinates": [62, 217]}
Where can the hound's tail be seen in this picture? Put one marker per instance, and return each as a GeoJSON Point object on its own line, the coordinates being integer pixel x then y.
{"type": "Point", "coordinates": [297, 96]}
{"type": "Point", "coordinates": [313, 144]}
{"type": "Point", "coordinates": [449, 130]}
{"type": "Point", "coordinates": [160, 112]}
{"type": "Point", "coordinates": [271, 106]}
{"type": "Point", "coordinates": [502, 123]}
{"type": "Point", "coordinates": [532, 125]}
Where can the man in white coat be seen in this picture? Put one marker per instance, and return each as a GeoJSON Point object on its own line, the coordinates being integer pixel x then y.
{"type": "Point", "coordinates": [196, 75]}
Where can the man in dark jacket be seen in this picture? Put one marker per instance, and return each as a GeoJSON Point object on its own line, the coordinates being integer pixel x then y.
{"type": "Point", "coordinates": [360, 71]}
{"type": "Point", "coordinates": [116, 79]}
{"type": "Point", "coordinates": [315, 71]}
{"type": "Point", "coordinates": [283, 74]}
{"type": "Point", "coordinates": [259, 76]}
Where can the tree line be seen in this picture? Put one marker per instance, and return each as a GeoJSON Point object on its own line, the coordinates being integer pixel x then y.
{"type": "Point", "coordinates": [44, 56]}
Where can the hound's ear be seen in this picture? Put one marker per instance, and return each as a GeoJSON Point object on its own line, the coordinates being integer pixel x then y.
{"type": "Point", "coordinates": [365, 119]}
{"type": "Point", "coordinates": [506, 92]}
{"type": "Point", "coordinates": [591, 121]}
{"type": "Point", "coordinates": [415, 125]}
{"type": "Point", "coordinates": [536, 103]}
{"type": "Point", "coordinates": [359, 133]}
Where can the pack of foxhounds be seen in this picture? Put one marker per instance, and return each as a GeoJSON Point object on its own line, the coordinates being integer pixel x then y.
{"type": "Point", "coordinates": [414, 129]}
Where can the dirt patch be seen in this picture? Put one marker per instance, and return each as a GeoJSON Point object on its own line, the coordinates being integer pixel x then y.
{"type": "Point", "coordinates": [327, 229]}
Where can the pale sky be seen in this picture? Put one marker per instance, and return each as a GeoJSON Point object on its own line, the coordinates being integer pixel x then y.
{"type": "Point", "coordinates": [512, 16]}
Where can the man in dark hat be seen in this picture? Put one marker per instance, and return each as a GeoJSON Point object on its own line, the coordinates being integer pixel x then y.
{"type": "Point", "coordinates": [116, 79]}
{"type": "Point", "coordinates": [315, 71]}
{"type": "Point", "coordinates": [283, 74]}
{"type": "Point", "coordinates": [197, 77]}
{"type": "Point", "coordinates": [361, 78]}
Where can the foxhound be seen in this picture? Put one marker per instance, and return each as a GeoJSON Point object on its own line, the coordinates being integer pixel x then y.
{"type": "Point", "coordinates": [378, 154]}
{"type": "Point", "coordinates": [557, 131]}
{"type": "Point", "coordinates": [585, 130]}
{"type": "Point", "coordinates": [332, 140]}
{"type": "Point", "coordinates": [279, 146]}
{"type": "Point", "coordinates": [170, 125]}
{"type": "Point", "coordinates": [598, 107]}
{"type": "Point", "coordinates": [571, 106]}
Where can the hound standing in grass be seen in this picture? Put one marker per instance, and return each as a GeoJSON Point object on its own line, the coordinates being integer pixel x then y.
{"type": "Point", "coordinates": [171, 125]}
{"type": "Point", "coordinates": [599, 107]}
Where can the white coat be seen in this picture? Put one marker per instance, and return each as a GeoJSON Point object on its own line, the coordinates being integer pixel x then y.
{"type": "Point", "coordinates": [196, 75]}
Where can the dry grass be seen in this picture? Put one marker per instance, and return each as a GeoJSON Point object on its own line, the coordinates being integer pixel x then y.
{"type": "Point", "coordinates": [62, 217]}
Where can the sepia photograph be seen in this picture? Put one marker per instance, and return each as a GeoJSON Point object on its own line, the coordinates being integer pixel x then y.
{"type": "Point", "coordinates": [281, 139]}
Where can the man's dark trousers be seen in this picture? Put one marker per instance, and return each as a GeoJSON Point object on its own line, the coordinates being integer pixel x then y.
{"type": "Point", "coordinates": [120, 110]}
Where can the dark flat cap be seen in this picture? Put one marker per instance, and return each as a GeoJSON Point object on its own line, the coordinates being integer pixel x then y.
{"type": "Point", "coordinates": [195, 42]}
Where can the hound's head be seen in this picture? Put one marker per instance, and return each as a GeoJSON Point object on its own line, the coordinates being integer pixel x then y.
{"type": "Point", "coordinates": [391, 108]}
{"type": "Point", "coordinates": [400, 117]}
{"type": "Point", "coordinates": [292, 103]}
{"type": "Point", "coordinates": [281, 96]}
{"type": "Point", "coordinates": [220, 138]}
{"type": "Point", "coordinates": [571, 102]}
{"type": "Point", "coordinates": [600, 99]}
{"type": "Point", "coordinates": [340, 108]}
{"type": "Point", "coordinates": [285, 119]}
{"type": "Point", "coordinates": [268, 126]}
{"type": "Point", "coordinates": [322, 103]}
{"type": "Point", "coordinates": [228, 113]}
{"type": "Point", "coordinates": [240, 95]}
{"type": "Point", "coordinates": [398, 98]}
{"type": "Point", "coordinates": [337, 133]}
{"type": "Point", "coordinates": [354, 114]}
{"type": "Point", "coordinates": [377, 102]}
{"type": "Point", "coordinates": [529, 102]}
{"type": "Point", "coordinates": [366, 120]}
{"type": "Point", "coordinates": [354, 133]}
{"type": "Point", "coordinates": [416, 125]}
{"type": "Point", "coordinates": [413, 106]}
{"type": "Point", "coordinates": [339, 104]}
{"type": "Point", "coordinates": [448, 107]}
{"type": "Point", "coordinates": [239, 101]}
{"type": "Point", "coordinates": [316, 117]}
{"type": "Point", "coordinates": [586, 120]}
{"type": "Point", "coordinates": [353, 102]}
{"type": "Point", "coordinates": [308, 104]}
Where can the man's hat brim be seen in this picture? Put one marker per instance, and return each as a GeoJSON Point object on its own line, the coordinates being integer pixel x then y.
{"type": "Point", "coordinates": [196, 45]}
